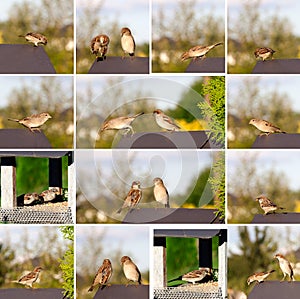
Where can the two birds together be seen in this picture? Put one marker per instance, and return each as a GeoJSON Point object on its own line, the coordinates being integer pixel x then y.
{"type": "Point", "coordinates": [104, 273]}
{"type": "Point", "coordinates": [284, 265]}
{"type": "Point", "coordinates": [265, 126]}
{"type": "Point", "coordinates": [124, 122]}
{"type": "Point", "coordinates": [45, 196]}
{"type": "Point", "coordinates": [30, 278]}
{"type": "Point", "coordinates": [99, 44]}
{"type": "Point", "coordinates": [134, 195]}
{"type": "Point", "coordinates": [34, 121]}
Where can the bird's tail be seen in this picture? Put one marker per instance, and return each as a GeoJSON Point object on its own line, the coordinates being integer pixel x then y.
{"type": "Point", "coordinates": [139, 114]}
{"type": "Point", "coordinates": [21, 35]}
{"type": "Point", "coordinates": [185, 56]}
{"type": "Point", "coordinates": [214, 45]}
{"type": "Point", "coordinates": [175, 279]}
{"type": "Point", "coordinates": [167, 205]}
{"type": "Point", "coordinates": [14, 119]}
{"type": "Point", "coordinates": [91, 288]}
{"type": "Point", "coordinates": [271, 271]}
{"type": "Point", "coordinates": [119, 211]}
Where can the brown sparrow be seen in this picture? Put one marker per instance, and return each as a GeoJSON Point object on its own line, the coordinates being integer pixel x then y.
{"type": "Point", "coordinates": [31, 198]}
{"type": "Point", "coordinates": [127, 42]}
{"type": "Point", "coordinates": [103, 275]}
{"type": "Point", "coordinates": [120, 123]}
{"type": "Point", "coordinates": [99, 46]}
{"type": "Point", "coordinates": [160, 192]}
{"type": "Point", "coordinates": [266, 127]}
{"type": "Point", "coordinates": [34, 121]}
{"type": "Point", "coordinates": [198, 52]}
{"type": "Point", "coordinates": [133, 197]}
{"type": "Point", "coordinates": [131, 271]}
{"type": "Point", "coordinates": [259, 277]}
{"type": "Point", "coordinates": [35, 38]}
{"type": "Point", "coordinates": [195, 275]}
{"type": "Point", "coordinates": [285, 266]}
{"type": "Point", "coordinates": [267, 205]}
{"type": "Point", "coordinates": [165, 121]}
{"type": "Point", "coordinates": [30, 278]}
{"type": "Point", "coordinates": [264, 53]}
{"type": "Point", "coordinates": [49, 195]}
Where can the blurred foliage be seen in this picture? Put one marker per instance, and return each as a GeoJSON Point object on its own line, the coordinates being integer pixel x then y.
{"type": "Point", "coordinates": [47, 94]}
{"type": "Point", "coordinates": [252, 101]}
{"type": "Point", "coordinates": [183, 256]}
{"type": "Point", "coordinates": [45, 250]}
{"type": "Point", "coordinates": [54, 19]}
{"type": "Point", "coordinates": [91, 22]}
{"type": "Point", "coordinates": [253, 29]}
{"type": "Point", "coordinates": [214, 109]}
{"type": "Point", "coordinates": [67, 263]}
{"type": "Point", "coordinates": [170, 39]}
{"type": "Point", "coordinates": [247, 181]}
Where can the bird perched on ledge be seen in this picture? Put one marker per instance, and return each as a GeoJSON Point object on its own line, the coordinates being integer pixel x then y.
{"type": "Point", "coordinates": [127, 42]}
{"type": "Point", "coordinates": [160, 192]}
{"type": "Point", "coordinates": [198, 52]}
{"type": "Point", "coordinates": [130, 269]}
{"type": "Point", "coordinates": [259, 277]}
{"type": "Point", "coordinates": [285, 266]}
{"type": "Point", "coordinates": [202, 274]}
{"type": "Point", "coordinates": [267, 205]}
{"type": "Point", "coordinates": [35, 38]}
{"type": "Point", "coordinates": [34, 121]}
{"type": "Point", "coordinates": [30, 278]}
{"type": "Point", "coordinates": [133, 197]}
{"type": "Point", "coordinates": [103, 275]}
{"type": "Point", "coordinates": [99, 46]}
{"type": "Point", "coordinates": [266, 127]}
{"type": "Point", "coordinates": [264, 53]}
{"type": "Point", "coordinates": [164, 121]}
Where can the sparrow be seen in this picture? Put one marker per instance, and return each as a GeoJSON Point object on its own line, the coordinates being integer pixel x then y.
{"type": "Point", "coordinates": [165, 121]}
{"type": "Point", "coordinates": [99, 46]}
{"type": "Point", "coordinates": [35, 38]}
{"type": "Point", "coordinates": [30, 278]}
{"type": "Point", "coordinates": [198, 52]}
{"type": "Point", "coordinates": [103, 275]}
{"type": "Point", "coordinates": [34, 121]}
{"type": "Point", "coordinates": [160, 192]}
{"type": "Point", "coordinates": [264, 53]}
{"type": "Point", "coordinates": [285, 266]}
{"type": "Point", "coordinates": [259, 277]}
{"type": "Point", "coordinates": [266, 127]}
{"type": "Point", "coordinates": [195, 275]}
{"type": "Point", "coordinates": [133, 197]}
{"type": "Point", "coordinates": [31, 198]}
{"type": "Point", "coordinates": [120, 123]}
{"type": "Point", "coordinates": [267, 205]}
{"type": "Point", "coordinates": [131, 271]}
{"type": "Point", "coordinates": [127, 42]}
{"type": "Point", "coordinates": [49, 195]}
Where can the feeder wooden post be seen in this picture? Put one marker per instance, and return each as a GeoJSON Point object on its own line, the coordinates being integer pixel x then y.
{"type": "Point", "coordinates": [159, 254]}
{"type": "Point", "coordinates": [71, 182]}
{"type": "Point", "coordinates": [222, 253]}
{"type": "Point", "coordinates": [8, 182]}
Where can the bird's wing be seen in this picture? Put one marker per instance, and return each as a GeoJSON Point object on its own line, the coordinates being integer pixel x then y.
{"type": "Point", "coordinates": [166, 118]}
{"type": "Point", "coordinates": [28, 276]}
{"type": "Point", "coordinates": [267, 203]}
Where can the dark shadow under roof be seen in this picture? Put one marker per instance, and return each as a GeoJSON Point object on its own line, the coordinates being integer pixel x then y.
{"type": "Point", "coordinates": [35, 154]}
{"type": "Point", "coordinates": [121, 291]}
{"type": "Point", "coordinates": [277, 218]}
{"type": "Point", "coordinates": [187, 233]}
{"type": "Point", "coordinates": [23, 138]}
{"type": "Point", "coordinates": [276, 290]}
{"type": "Point", "coordinates": [170, 215]}
{"type": "Point", "coordinates": [31, 294]}
{"type": "Point", "coordinates": [277, 66]}
{"type": "Point", "coordinates": [277, 141]}
{"type": "Point", "coordinates": [207, 65]}
{"type": "Point", "coordinates": [24, 59]}
{"type": "Point", "coordinates": [189, 140]}
{"type": "Point", "coordinates": [117, 65]}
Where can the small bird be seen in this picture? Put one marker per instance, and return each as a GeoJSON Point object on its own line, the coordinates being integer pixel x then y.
{"type": "Point", "coordinates": [35, 38]}
{"type": "Point", "coordinates": [198, 52]}
{"type": "Point", "coordinates": [30, 278]}
{"type": "Point", "coordinates": [99, 46]}
{"type": "Point", "coordinates": [31, 198]}
{"type": "Point", "coordinates": [130, 269]}
{"type": "Point", "coordinates": [165, 121]}
{"type": "Point", "coordinates": [285, 267]}
{"type": "Point", "coordinates": [49, 195]}
{"type": "Point", "coordinates": [266, 127]}
{"type": "Point", "coordinates": [127, 42]}
{"type": "Point", "coordinates": [267, 205]}
{"type": "Point", "coordinates": [195, 275]}
{"type": "Point", "coordinates": [133, 197]}
{"type": "Point", "coordinates": [160, 192]}
{"type": "Point", "coordinates": [264, 53]}
{"type": "Point", "coordinates": [34, 121]}
{"type": "Point", "coordinates": [103, 275]}
{"type": "Point", "coordinates": [259, 276]}
{"type": "Point", "coordinates": [120, 123]}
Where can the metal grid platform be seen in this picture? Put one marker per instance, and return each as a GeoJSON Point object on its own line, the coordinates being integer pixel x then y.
{"type": "Point", "coordinates": [22, 215]}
